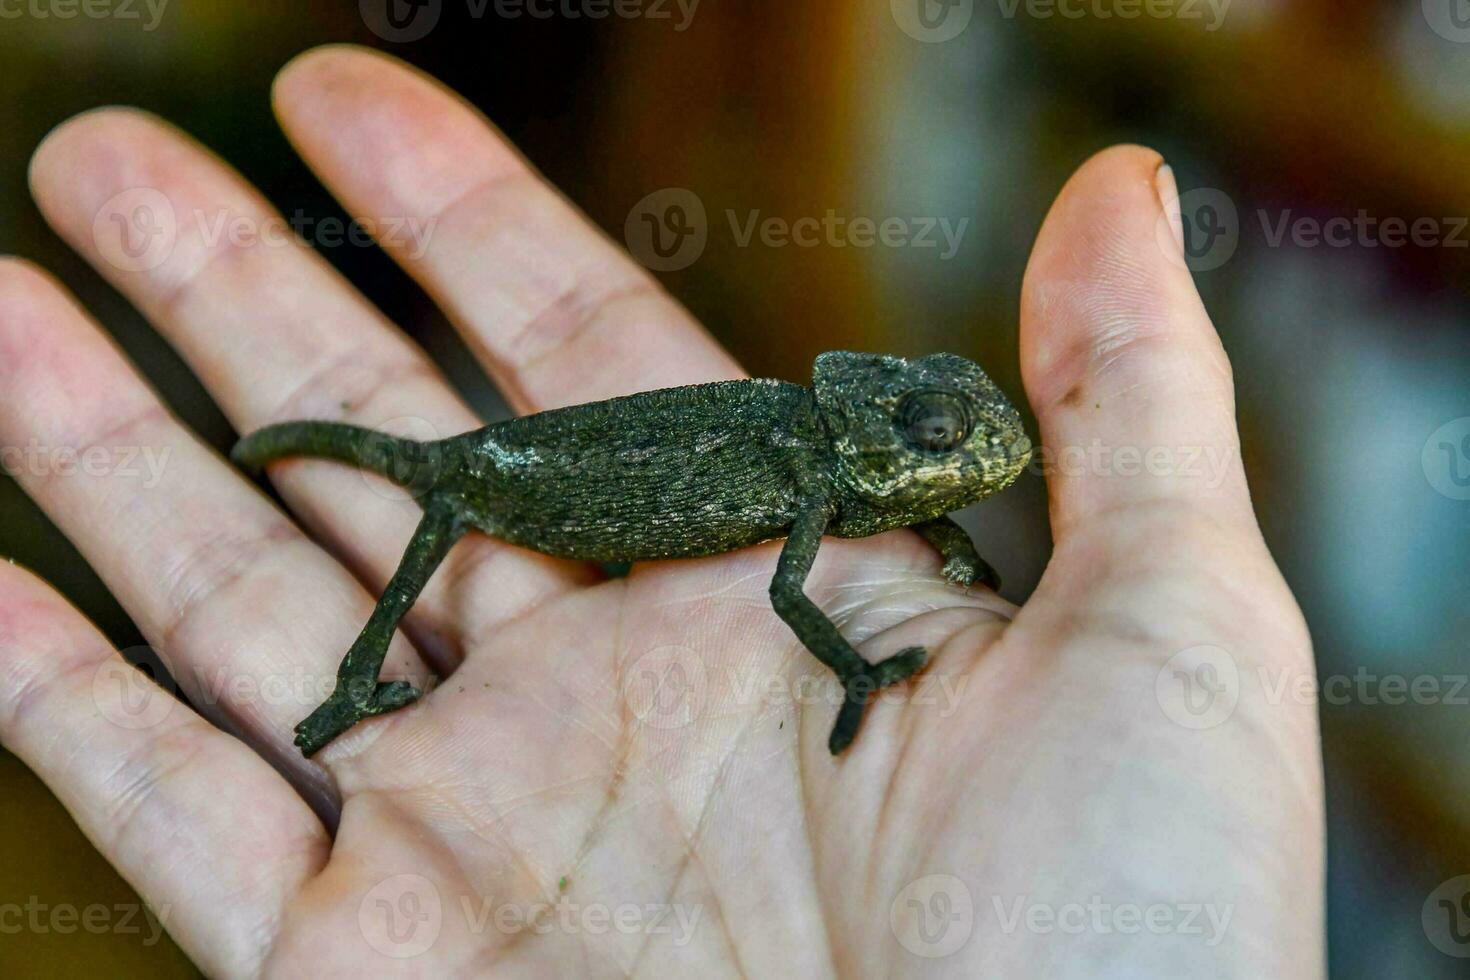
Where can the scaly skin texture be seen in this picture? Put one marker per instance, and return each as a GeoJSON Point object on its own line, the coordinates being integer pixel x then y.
{"type": "Point", "coordinates": [876, 443]}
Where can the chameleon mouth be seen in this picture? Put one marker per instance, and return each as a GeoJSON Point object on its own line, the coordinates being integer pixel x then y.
{"type": "Point", "coordinates": [1018, 454]}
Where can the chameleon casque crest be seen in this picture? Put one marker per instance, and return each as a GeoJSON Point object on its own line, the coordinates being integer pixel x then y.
{"type": "Point", "coordinates": [876, 443]}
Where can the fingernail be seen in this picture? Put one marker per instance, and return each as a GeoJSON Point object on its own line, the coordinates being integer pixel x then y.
{"type": "Point", "coordinates": [1167, 189]}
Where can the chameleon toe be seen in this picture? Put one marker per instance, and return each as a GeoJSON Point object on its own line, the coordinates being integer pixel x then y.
{"type": "Point", "coordinates": [901, 665]}
{"type": "Point", "coordinates": [392, 696]}
{"type": "Point", "coordinates": [845, 728]}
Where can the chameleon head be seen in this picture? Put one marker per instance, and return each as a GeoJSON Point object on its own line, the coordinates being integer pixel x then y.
{"type": "Point", "coordinates": [917, 438]}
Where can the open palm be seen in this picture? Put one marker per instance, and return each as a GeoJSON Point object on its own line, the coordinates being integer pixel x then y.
{"type": "Point", "coordinates": [630, 777]}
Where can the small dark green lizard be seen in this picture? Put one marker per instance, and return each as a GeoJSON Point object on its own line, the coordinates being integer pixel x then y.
{"type": "Point", "coordinates": [875, 443]}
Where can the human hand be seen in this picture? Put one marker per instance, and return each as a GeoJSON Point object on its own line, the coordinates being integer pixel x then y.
{"type": "Point", "coordinates": [1044, 765]}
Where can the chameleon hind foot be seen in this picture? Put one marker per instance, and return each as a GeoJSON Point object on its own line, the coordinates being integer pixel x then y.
{"type": "Point", "coordinates": [859, 689]}
{"type": "Point", "coordinates": [392, 696]}
{"type": "Point", "coordinates": [340, 712]}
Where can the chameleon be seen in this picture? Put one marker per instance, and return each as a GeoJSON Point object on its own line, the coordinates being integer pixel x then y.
{"type": "Point", "coordinates": [876, 442]}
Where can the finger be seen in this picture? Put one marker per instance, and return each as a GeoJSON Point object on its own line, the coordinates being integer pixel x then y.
{"type": "Point", "coordinates": [253, 615]}
{"type": "Point", "coordinates": [275, 334]}
{"type": "Point", "coordinates": [1127, 376]}
{"type": "Point", "coordinates": [555, 311]}
{"type": "Point", "coordinates": [212, 837]}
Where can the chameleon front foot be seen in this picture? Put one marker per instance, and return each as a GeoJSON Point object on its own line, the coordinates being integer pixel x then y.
{"type": "Point", "coordinates": [339, 713]}
{"type": "Point", "coordinates": [966, 571]}
{"type": "Point", "coordinates": [859, 689]}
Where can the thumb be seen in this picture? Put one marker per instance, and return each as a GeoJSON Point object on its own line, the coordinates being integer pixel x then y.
{"type": "Point", "coordinates": [1121, 364]}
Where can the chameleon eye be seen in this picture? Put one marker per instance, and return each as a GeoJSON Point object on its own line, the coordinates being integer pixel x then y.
{"type": "Point", "coordinates": [934, 421]}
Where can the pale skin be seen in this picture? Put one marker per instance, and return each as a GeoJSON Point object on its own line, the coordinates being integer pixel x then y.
{"type": "Point", "coordinates": [1041, 767]}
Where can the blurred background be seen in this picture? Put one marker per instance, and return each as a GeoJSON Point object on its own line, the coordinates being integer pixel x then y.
{"type": "Point", "coordinates": [1321, 149]}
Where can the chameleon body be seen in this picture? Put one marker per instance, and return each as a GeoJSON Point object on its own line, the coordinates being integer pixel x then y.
{"type": "Point", "coordinates": [875, 443]}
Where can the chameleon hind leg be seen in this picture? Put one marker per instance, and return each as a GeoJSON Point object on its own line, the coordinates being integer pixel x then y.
{"type": "Point", "coordinates": [358, 693]}
{"type": "Point", "coordinates": [860, 680]}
